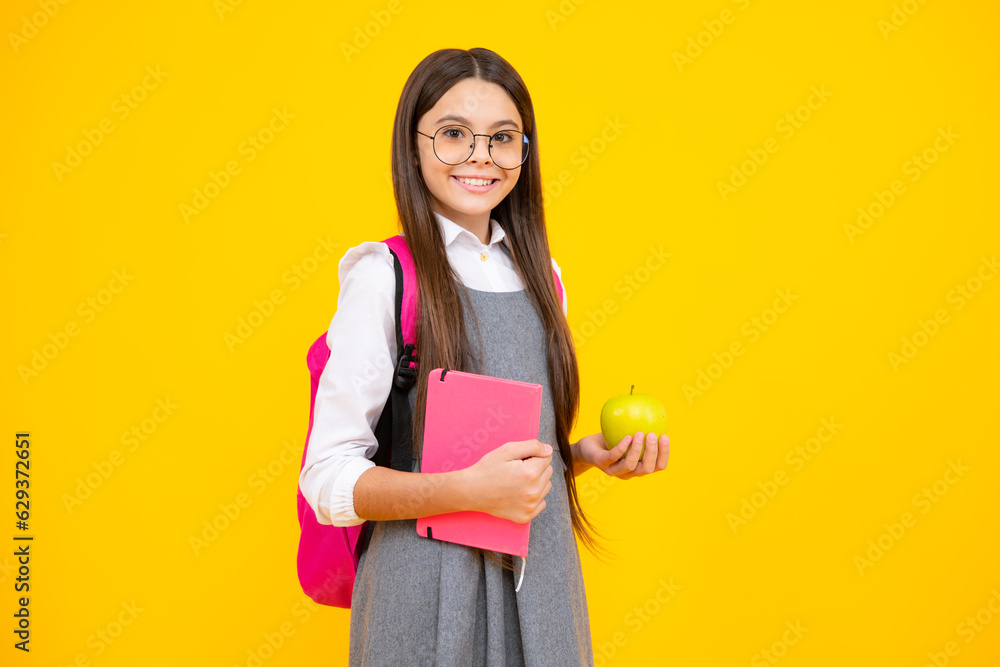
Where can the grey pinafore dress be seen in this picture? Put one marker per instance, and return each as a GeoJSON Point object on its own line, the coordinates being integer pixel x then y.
{"type": "Point", "coordinates": [419, 601]}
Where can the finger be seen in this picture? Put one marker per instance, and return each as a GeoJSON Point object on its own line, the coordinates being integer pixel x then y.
{"type": "Point", "coordinates": [538, 508]}
{"type": "Point", "coordinates": [664, 453]}
{"type": "Point", "coordinates": [648, 463]}
{"type": "Point", "coordinates": [620, 448]}
{"type": "Point", "coordinates": [632, 458]}
{"type": "Point", "coordinates": [540, 466]}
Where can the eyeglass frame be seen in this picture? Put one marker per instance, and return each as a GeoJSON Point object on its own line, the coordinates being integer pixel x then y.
{"type": "Point", "coordinates": [489, 148]}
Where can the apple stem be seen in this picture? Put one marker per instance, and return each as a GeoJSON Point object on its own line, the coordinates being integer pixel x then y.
{"type": "Point", "coordinates": [631, 390]}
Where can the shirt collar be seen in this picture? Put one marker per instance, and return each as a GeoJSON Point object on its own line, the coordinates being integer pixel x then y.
{"type": "Point", "coordinates": [452, 230]}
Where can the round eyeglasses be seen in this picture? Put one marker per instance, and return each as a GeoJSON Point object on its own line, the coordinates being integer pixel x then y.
{"type": "Point", "coordinates": [454, 144]}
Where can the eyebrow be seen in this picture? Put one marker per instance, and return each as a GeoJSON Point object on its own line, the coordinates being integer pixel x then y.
{"type": "Point", "coordinates": [495, 125]}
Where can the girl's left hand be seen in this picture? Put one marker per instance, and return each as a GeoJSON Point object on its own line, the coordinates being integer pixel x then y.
{"type": "Point", "coordinates": [592, 450]}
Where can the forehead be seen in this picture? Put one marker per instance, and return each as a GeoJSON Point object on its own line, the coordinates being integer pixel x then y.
{"type": "Point", "coordinates": [478, 101]}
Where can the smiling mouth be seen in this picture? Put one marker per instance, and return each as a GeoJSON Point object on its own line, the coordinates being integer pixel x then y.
{"type": "Point", "coordinates": [477, 186]}
{"type": "Point", "coordinates": [478, 182]}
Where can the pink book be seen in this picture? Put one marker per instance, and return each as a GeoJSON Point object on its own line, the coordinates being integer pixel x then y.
{"type": "Point", "coordinates": [467, 416]}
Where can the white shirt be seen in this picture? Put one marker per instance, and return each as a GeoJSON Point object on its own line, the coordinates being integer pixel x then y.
{"type": "Point", "coordinates": [355, 384]}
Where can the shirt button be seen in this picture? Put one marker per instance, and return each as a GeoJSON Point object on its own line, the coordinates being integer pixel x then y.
{"type": "Point", "coordinates": [483, 256]}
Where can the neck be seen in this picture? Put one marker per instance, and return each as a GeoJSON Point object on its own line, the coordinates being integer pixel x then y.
{"type": "Point", "coordinates": [477, 224]}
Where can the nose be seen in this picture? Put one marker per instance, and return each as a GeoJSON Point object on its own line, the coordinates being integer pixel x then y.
{"type": "Point", "coordinates": [481, 152]}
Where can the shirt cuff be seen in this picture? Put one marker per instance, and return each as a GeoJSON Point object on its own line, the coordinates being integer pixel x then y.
{"type": "Point", "coordinates": [341, 505]}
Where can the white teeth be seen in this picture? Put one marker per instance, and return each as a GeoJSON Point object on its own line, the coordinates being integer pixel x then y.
{"type": "Point", "coordinates": [475, 181]}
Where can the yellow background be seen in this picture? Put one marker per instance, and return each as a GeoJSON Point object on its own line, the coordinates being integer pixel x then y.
{"type": "Point", "coordinates": [604, 77]}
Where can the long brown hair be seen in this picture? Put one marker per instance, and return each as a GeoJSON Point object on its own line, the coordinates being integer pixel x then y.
{"type": "Point", "coordinates": [441, 330]}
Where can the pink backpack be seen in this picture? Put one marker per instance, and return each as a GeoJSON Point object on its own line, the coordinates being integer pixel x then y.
{"type": "Point", "coordinates": [328, 555]}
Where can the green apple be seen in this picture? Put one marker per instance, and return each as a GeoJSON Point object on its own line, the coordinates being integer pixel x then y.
{"type": "Point", "coordinates": [629, 413]}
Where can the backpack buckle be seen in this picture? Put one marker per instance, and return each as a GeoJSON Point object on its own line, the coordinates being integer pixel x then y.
{"type": "Point", "coordinates": [405, 376]}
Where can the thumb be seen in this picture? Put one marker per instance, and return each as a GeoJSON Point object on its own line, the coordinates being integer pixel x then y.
{"type": "Point", "coordinates": [525, 448]}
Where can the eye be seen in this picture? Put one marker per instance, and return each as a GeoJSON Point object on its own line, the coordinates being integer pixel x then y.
{"type": "Point", "coordinates": [503, 137]}
{"type": "Point", "coordinates": [453, 132]}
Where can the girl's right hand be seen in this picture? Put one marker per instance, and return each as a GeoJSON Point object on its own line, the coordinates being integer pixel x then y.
{"type": "Point", "coordinates": [511, 482]}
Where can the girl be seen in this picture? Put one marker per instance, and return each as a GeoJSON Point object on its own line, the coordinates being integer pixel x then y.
{"type": "Point", "coordinates": [465, 170]}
